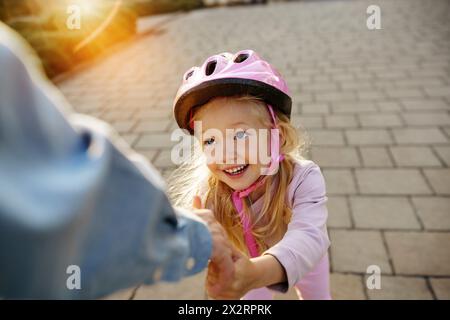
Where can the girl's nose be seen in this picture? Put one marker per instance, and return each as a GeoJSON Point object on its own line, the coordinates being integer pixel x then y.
{"type": "Point", "coordinates": [229, 153]}
{"type": "Point", "coordinates": [236, 152]}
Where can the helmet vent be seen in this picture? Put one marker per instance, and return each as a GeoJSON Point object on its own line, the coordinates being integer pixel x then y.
{"type": "Point", "coordinates": [210, 67]}
{"type": "Point", "coordinates": [189, 74]}
{"type": "Point", "coordinates": [241, 58]}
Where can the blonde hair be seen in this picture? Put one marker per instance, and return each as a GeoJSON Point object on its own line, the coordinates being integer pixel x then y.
{"type": "Point", "coordinates": [274, 216]}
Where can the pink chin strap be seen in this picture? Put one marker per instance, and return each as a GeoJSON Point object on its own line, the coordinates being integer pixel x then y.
{"type": "Point", "coordinates": [239, 194]}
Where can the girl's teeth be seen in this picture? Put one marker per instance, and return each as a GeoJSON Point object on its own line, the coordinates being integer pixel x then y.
{"type": "Point", "coordinates": [234, 170]}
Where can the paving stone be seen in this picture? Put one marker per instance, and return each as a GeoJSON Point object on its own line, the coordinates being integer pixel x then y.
{"type": "Point", "coordinates": [334, 96]}
{"type": "Point", "coordinates": [439, 180]}
{"type": "Point", "coordinates": [388, 106]}
{"type": "Point", "coordinates": [358, 85]}
{"type": "Point", "coordinates": [152, 126]}
{"type": "Point", "coordinates": [307, 122]}
{"type": "Point", "coordinates": [405, 288]}
{"type": "Point", "coordinates": [123, 126]}
{"type": "Point", "coordinates": [153, 114]}
{"type": "Point", "coordinates": [150, 154]}
{"type": "Point", "coordinates": [434, 212]}
{"type": "Point", "coordinates": [370, 95]}
{"type": "Point", "coordinates": [375, 157]}
{"type": "Point", "coordinates": [355, 251]}
{"type": "Point", "coordinates": [154, 140]}
{"type": "Point", "coordinates": [419, 253]}
{"type": "Point", "coordinates": [444, 154]}
{"type": "Point", "coordinates": [368, 137]}
{"type": "Point", "coordinates": [339, 181]}
{"type": "Point", "coordinates": [405, 93]}
{"type": "Point", "coordinates": [346, 287]}
{"type": "Point", "coordinates": [130, 138]}
{"type": "Point", "coordinates": [425, 105]}
{"type": "Point", "coordinates": [435, 91]}
{"type": "Point", "coordinates": [426, 118]}
{"type": "Point", "coordinates": [407, 156]}
{"type": "Point", "coordinates": [383, 213]}
{"type": "Point", "coordinates": [338, 212]}
{"type": "Point", "coordinates": [319, 86]}
{"type": "Point", "coordinates": [418, 136]}
{"type": "Point", "coordinates": [326, 137]}
{"type": "Point", "coordinates": [353, 107]}
{"type": "Point", "coordinates": [441, 287]}
{"type": "Point", "coordinates": [447, 131]}
{"type": "Point", "coordinates": [335, 157]}
{"type": "Point", "coordinates": [380, 120]}
{"type": "Point", "coordinates": [391, 181]}
{"type": "Point", "coordinates": [341, 121]}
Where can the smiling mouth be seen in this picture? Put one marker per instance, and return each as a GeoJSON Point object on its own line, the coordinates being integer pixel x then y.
{"type": "Point", "coordinates": [236, 171]}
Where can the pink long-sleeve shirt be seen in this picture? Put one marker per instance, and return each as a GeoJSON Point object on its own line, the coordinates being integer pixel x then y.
{"type": "Point", "coordinates": [303, 249]}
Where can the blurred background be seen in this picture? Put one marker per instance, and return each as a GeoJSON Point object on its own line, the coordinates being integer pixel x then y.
{"type": "Point", "coordinates": [375, 104]}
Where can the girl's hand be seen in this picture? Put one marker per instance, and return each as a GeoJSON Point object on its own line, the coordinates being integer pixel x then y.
{"type": "Point", "coordinates": [245, 274]}
{"type": "Point", "coordinates": [223, 252]}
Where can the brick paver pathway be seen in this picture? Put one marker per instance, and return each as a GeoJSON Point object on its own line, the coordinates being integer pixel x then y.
{"type": "Point", "coordinates": [375, 104]}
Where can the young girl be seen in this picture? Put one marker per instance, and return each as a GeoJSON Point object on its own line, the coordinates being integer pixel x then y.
{"type": "Point", "coordinates": [273, 211]}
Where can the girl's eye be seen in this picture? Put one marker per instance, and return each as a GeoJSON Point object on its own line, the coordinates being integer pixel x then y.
{"type": "Point", "coordinates": [209, 141]}
{"type": "Point", "coordinates": [241, 135]}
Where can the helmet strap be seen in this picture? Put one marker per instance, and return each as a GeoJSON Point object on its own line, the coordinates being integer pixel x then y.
{"type": "Point", "coordinates": [237, 195]}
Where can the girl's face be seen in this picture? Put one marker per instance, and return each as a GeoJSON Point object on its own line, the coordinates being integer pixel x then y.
{"type": "Point", "coordinates": [236, 166]}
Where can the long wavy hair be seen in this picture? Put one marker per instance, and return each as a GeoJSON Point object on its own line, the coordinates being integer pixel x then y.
{"type": "Point", "coordinates": [193, 178]}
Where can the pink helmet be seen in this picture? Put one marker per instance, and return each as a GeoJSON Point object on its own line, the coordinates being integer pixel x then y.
{"type": "Point", "coordinates": [226, 74]}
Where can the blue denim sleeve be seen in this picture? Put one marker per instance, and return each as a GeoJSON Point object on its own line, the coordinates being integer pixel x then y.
{"type": "Point", "coordinates": [134, 227]}
{"type": "Point", "coordinates": [76, 201]}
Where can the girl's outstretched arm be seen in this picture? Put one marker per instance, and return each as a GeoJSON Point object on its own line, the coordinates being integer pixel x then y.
{"type": "Point", "coordinates": [306, 241]}
{"type": "Point", "coordinates": [268, 271]}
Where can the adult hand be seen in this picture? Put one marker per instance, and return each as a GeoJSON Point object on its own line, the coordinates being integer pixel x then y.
{"type": "Point", "coordinates": [223, 253]}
